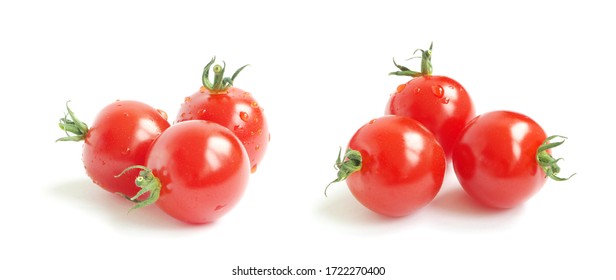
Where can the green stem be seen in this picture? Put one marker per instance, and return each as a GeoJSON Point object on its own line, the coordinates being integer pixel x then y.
{"type": "Point", "coordinates": [426, 60]}
{"type": "Point", "coordinates": [219, 72]}
{"type": "Point", "coordinates": [547, 162]}
{"type": "Point", "coordinates": [347, 165]}
{"type": "Point", "coordinates": [70, 124]}
{"type": "Point", "coordinates": [220, 83]}
{"type": "Point", "coordinates": [426, 65]}
{"type": "Point", "coordinates": [147, 182]}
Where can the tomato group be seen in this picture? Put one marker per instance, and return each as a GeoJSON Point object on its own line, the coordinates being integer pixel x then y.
{"type": "Point", "coordinates": [393, 166]}
{"type": "Point", "coordinates": [502, 159]}
{"type": "Point", "coordinates": [440, 103]}
{"type": "Point", "coordinates": [232, 108]}
{"type": "Point", "coordinates": [195, 171]}
{"type": "Point", "coordinates": [120, 136]}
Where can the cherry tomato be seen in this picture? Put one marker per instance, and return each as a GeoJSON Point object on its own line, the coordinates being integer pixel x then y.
{"type": "Point", "coordinates": [195, 171]}
{"type": "Point", "coordinates": [438, 102]}
{"type": "Point", "coordinates": [502, 159]}
{"type": "Point", "coordinates": [120, 136]}
{"type": "Point", "coordinates": [393, 166]}
{"type": "Point", "coordinates": [230, 107]}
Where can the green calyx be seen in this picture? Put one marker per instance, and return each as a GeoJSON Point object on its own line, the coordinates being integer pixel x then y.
{"type": "Point", "coordinates": [75, 129]}
{"type": "Point", "coordinates": [220, 82]}
{"type": "Point", "coordinates": [547, 162]}
{"type": "Point", "coordinates": [347, 165]}
{"type": "Point", "coordinates": [147, 182]}
{"type": "Point", "coordinates": [426, 65]}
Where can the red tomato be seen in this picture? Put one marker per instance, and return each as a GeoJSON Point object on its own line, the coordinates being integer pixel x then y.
{"type": "Point", "coordinates": [232, 108]}
{"type": "Point", "coordinates": [440, 103]}
{"type": "Point", "coordinates": [195, 171]}
{"type": "Point", "coordinates": [393, 166]}
{"type": "Point", "coordinates": [501, 159]}
{"type": "Point", "coordinates": [120, 136]}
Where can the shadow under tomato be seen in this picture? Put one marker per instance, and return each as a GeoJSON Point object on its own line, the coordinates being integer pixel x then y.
{"type": "Point", "coordinates": [89, 197]}
{"type": "Point", "coordinates": [342, 208]}
{"type": "Point", "coordinates": [460, 203]}
{"type": "Point", "coordinates": [456, 208]}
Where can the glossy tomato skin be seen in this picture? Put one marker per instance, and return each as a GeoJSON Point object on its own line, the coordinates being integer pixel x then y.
{"type": "Point", "coordinates": [440, 103]}
{"type": "Point", "coordinates": [234, 109]}
{"type": "Point", "coordinates": [203, 170]}
{"type": "Point", "coordinates": [495, 159]}
{"type": "Point", "coordinates": [402, 166]}
{"type": "Point", "coordinates": [119, 137]}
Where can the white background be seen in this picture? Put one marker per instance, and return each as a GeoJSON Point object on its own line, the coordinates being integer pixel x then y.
{"type": "Point", "coordinates": [320, 72]}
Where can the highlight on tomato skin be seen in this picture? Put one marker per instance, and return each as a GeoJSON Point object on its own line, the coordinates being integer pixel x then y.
{"type": "Point", "coordinates": [119, 136]}
{"type": "Point", "coordinates": [440, 103]}
{"type": "Point", "coordinates": [393, 166]}
{"type": "Point", "coordinates": [236, 109]}
{"type": "Point", "coordinates": [502, 159]}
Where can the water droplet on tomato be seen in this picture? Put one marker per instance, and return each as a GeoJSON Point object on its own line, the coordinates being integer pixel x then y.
{"type": "Point", "coordinates": [438, 91]}
{"type": "Point", "coordinates": [187, 99]}
{"type": "Point", "coordinates": [202, 112]}
{"type": "Point", "coordinates": [126, 151]}
{"type": "Point", "coordinates": [254, 104]}
{"type": "Point", "coordinates": [417, 90]}
{"type": "Point", "coordinates": [238, 128]}
{"type": "Point", "coordinates": [259, 131]}
{"type": "Point", "coordinates": [400, 87]}
{"type": "Point", "coordinates": [257, 147]}
{"type": "Point", "coordinates": [445, 100]}
{"type": "Point", "coordinates": [253, 169]}
{"type": "Point", "coordinates": [372, 121]}
{"type": "Point", "coordinates": [244, 116]}
{"type": "Point", "coordinates": [182, 115]}
{"type": "Point", "coordinates": [162, 113]}
{"type": "Point", "coordinates": [219, 207]}
{"type": "Point", "coordinates": [126, 114]}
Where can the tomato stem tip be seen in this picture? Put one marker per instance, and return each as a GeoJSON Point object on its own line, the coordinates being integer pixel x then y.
{"type": "Point", "coordinates": [347, 165]}
{"type": "Point", "coordinates": [70, 124]}
{"type": "Point", "coordinates": [426, 65]}
{"type": "Point", "coordinates": [549, 163]}
{"type": "Point", "coordinates": [147, 182]}
{"type": "Point", "coordinates": [220, 82]}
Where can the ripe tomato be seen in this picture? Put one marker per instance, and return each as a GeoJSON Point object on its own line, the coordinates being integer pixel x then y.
{"type": "Point", "coordinates": [502, 159]}
{"type": "Point", "coordinates": [393, 166]}
{"type": "Point", "coordinates": [120, 136]}
{"type": "Point", "coordinates": [438, 102]}
{"type": "Point", "coordinates": [195, 171]}
{"type": "Point", "coordinates": [230, 107]}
